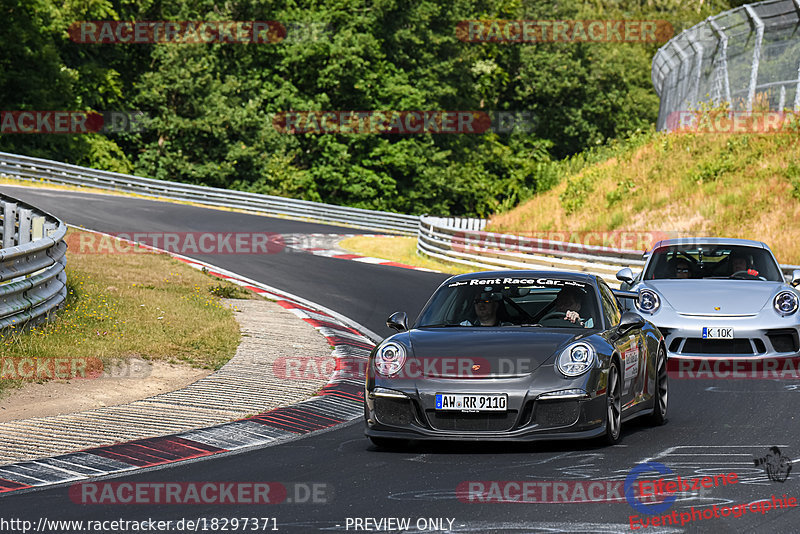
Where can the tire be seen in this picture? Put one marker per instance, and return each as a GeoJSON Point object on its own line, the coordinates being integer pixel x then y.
{"type": "Point", "coordinates": [661, 393]}
{"type": "Point", "coordinates": [613, 406]}
{"type": "Point", "coordinates": [389, 444]}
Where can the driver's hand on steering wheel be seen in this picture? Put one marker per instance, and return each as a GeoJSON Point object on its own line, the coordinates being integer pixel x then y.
{"type": "Point", "coordinates": [572, 316]}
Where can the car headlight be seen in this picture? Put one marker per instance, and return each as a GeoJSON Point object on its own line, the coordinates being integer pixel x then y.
{"type": "Point", "coordinates": [648, 301]}
{"type": "Point", "coordinates": [577, 359]}
{"type": "Point", "coordinates": [389, 359]}
{"type": "Point", "coordinates": [785, 302]}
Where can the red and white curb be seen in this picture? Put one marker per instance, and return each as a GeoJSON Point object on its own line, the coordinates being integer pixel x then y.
{"type": "Point", "coordinates": [339, 401]}
{"type": "Point", "coordinates": [327, 245]}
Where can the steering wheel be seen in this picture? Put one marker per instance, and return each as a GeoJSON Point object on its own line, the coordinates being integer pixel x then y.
{"type": "Point", "coordinates": [560, 317]}
{"type": "Point", "coordinates": [746, 275]}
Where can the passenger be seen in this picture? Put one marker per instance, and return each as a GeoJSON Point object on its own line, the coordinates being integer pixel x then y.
{"type": "Point", "coordinates": [486, 309]}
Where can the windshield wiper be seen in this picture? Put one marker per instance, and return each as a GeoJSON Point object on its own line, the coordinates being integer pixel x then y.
{"type": "Point", "coordinates": [440, 325]}
{"type": "Point", "coordinates": [532, 324]}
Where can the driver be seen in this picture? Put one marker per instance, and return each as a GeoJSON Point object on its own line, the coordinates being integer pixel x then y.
{"type": "Point", "coordinates": [739, 263]}
{"type": "Point", "coordinates": [568, 301]}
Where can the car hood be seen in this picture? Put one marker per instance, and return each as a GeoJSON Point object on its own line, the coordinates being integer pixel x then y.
{"type": "Point", "coordinates": [499, 352]}
{"type": "Point", "coordinates": [732, 297]}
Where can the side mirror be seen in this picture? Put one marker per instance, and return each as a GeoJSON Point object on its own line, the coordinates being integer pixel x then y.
{"type": "Point", "coordinates": [629, 321]}
{"type": "Point", "coordinates": [625, 275]}
{"type": "Point", "coordinates": [398, 321]}
{"type": "Point", "coordinates": [795, 278]}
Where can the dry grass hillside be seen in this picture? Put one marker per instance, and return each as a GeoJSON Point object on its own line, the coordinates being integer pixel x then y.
{"type": "Point", "coordinates": [744, 186]}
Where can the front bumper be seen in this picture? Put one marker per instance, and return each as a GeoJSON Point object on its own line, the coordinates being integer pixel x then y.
{"type": "Point", "coordinates": [754, 337]}
{"type": "Point", "coordinates": [408, 411]}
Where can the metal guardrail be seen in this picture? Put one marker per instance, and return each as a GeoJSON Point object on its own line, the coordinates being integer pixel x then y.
{"type": "Point", "coordinates": [457, 240]}
{"type": "Point", "coordinates": [27, 168]}
{"type": "Point", "coordinates": [439, 238]}
{"type": "Point", "coordinates": [745, 57]}
{"type": "Point", "coordinates": [32, 261]}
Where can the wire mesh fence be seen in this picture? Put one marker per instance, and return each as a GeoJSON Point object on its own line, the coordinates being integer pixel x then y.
{"type": "Point", "coordinates": [746, 59]}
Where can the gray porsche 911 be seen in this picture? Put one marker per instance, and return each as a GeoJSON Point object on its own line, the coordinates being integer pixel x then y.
{"type": "Point", "coordinates": [718, 297]}
{"type": "Point", "coordinates": [516, 355]}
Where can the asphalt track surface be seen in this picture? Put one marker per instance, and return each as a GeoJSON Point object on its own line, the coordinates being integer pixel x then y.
{"type": "Point", "coordinates": [717, 426]}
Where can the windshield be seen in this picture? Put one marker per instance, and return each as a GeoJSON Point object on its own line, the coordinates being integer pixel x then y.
{"type": "Point", "coordinates": [508, 302]}
{"type": "Point", "coordinates": [713, 261]}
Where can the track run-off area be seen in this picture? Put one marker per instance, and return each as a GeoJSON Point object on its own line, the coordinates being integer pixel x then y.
{"type": "Point", "coordinates": [335, 480]}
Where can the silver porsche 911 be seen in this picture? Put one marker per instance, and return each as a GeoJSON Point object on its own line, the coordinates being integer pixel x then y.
{"type": "Point", "coordinates": [714, 297]}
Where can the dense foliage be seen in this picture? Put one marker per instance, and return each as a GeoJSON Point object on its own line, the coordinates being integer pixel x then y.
{"type": "Point", "coordinates": [212, 105]}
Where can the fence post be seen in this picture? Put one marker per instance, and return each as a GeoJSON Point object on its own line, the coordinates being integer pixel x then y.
{"type": "Point", "coordinates": [668, 97]}
{"type": "Point", "coordinates": [722, 61]}
{"type": "Point", "coordinates": [797, 86]}
{"type": "Point", "coordinates": [751, 92]}
{"type": "Point", "coordinates": [699, 51]}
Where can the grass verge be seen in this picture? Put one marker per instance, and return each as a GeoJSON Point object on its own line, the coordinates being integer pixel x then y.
{"type": "Point", "coordinates": [680, 184]}
{"type": "Point", "coordinates": [138, 304]}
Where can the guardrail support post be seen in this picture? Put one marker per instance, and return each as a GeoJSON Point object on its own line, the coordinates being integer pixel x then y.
{"type": "Point", "coordinates": [37, 228]}
{"type": "Point", "coordinates": [24, 226]}
{"type": "Point", "coordinates": [9, 224]}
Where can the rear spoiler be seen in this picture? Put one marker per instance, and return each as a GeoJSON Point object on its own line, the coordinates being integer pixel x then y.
{"type": "Point", "coordinates": [619, 293]}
